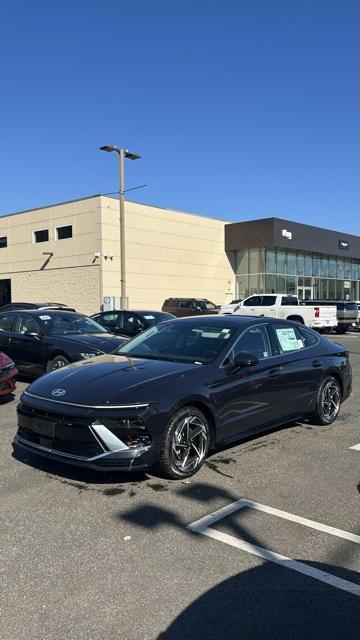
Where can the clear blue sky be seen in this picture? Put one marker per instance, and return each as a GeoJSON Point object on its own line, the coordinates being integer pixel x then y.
{"type": "Point", "coordinates": [240, 108]}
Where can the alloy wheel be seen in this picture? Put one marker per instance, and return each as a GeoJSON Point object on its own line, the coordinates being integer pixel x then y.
{"type": "Point", "coordinates": [189, 443]}
{"type": "Point", "coordinates": [330, 401]}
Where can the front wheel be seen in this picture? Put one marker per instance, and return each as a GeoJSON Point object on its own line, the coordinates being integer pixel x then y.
{"type": "Point", "coordinates": [185, 444]}
{"type": "Point", "coordinates": [328, 401]}
{"type": "Point", "coordinates": [57, 363]}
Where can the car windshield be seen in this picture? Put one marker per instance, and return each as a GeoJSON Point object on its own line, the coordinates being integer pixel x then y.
{"type": "Point", "coordinates": [180, 342]}
{"type": "Point", "coordinates": [63, 324]}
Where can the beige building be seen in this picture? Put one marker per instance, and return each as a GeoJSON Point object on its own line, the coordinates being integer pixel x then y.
{"type": "Point", "coordinates": [70, 253]}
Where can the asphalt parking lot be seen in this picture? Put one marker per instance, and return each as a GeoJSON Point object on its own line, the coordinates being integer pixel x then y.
{"type": "Point", "coordinates": [136, 557]}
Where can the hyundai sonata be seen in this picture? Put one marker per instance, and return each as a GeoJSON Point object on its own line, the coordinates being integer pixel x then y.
{"type": "Point", "coordinates": [181, 388]}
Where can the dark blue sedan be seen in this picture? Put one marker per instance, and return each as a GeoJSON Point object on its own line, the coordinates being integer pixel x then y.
{"type": "Point", "coordinates": [44, 339]}
{"type": "Point", "coordinates": [181, 388]}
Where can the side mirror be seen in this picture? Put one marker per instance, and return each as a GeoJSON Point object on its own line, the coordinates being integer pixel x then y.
{"type": "Point", "coordinates": [242, 360]}
{"type": "Point", "coordinates": [36, 336]}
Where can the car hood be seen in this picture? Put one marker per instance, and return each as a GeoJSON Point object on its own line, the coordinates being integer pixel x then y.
{"type": "Point", "coordinates": [105, 380]}
{"type": "Point", "coordinates": [106, 342]}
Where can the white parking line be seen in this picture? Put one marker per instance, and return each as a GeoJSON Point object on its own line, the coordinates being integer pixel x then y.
{"type": "Point", "coordinates": [203, 526]}
{"type": "Point", "coordinates": [356, 447]}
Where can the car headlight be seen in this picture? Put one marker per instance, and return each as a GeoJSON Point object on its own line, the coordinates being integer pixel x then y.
{"type": "Point", "coordinates": [86, 356]}
{"type": "Point", "coordinates": [131, 431]}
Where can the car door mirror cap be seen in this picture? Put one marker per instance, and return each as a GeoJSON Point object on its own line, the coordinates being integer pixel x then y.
{"type": "Point", "coordinates": [243, 360]}
{"type": "Point", "coordinates": [36, 336]}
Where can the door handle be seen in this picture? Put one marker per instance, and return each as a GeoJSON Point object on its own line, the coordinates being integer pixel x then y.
{"type": "Point", "coordinates": [274, 373]}
{"type": "Point", "coordinates": [316, 364]}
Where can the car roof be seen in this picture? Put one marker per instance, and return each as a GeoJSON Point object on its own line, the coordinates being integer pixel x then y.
{"type": "Point", "coordinates": [130, 311]}
{"type": "Point", "coordinates": [38, 312]}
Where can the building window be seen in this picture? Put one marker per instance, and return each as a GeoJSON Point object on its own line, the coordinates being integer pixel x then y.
{"type": "Point", "coordinates": [41, 236]}
{"type": "Point", "coordinates": [3, 242]}
{"type": "Point", "coordinates": [62, 233]}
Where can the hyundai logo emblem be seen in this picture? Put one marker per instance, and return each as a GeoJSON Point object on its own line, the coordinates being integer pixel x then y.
{"type": "Point", "coordinates": [58, 393]}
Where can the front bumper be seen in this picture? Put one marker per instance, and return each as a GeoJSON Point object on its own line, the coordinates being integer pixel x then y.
{"type": "Point", "coordinates": [88, 438]}
{"type": "Point", "coordinates": [130, 460]}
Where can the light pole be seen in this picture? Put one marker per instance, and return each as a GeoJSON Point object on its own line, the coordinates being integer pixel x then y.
{"type": "Point", "coordinates": [122, 154]}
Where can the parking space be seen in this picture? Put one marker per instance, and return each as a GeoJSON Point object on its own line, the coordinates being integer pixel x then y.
{"type": "Point", "coordinates": [263, 542]}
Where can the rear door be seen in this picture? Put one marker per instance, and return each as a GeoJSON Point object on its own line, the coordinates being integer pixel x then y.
{"type": "Point", "coordinates": [302, 367]}
{"type": "Point", "coordinates": [27, 344]}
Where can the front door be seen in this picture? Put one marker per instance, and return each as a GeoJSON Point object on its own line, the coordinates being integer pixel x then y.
{"type": "Point", "coordinates": [251, 396]}
{"type": "Point", "coordinates": [305, 293]}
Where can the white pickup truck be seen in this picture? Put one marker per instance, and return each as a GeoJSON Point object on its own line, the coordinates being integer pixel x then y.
{"type": "Point", "coordinates": [278, 305]}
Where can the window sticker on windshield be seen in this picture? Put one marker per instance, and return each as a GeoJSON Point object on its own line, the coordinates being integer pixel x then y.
{"type": "Point", "coordinates": [45, 317]}
{"type": "Point", "coordinates": [288, 340]}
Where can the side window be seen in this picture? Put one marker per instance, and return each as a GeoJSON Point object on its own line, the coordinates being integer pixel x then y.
{"type": "Point", "coordinates": [256, 341]}
{"type": "Point", "coordinates": [310, 339]}
{"type": "Point", "coordinates": [185, 304]}
{"type": "Point", "coordinates": [26, 325]}
{"type": "Point", "coordinates": [288, 338]}
{"type": "Point", "coordinates": [6, 322]}
{"type": "Point", "coordinates": [132, 324]}
{"type": "Point", "coordinates": [108, 320]}
{"type": "Point", "coordinates": [289, 300]}
{"type": "Point", "coordinates": [254, 301]}
{"type": "Point", "coordinates": [268, 301]}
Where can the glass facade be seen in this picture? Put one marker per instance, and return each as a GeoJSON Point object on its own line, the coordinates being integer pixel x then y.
{"type": "Point", "coordinates": [308, 275]}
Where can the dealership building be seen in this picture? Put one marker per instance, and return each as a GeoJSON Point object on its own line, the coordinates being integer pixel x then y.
{"type": "Point", "coordinates": [70, 253]}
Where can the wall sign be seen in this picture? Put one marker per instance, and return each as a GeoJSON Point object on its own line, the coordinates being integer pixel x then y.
{"type": "Point", "coordinates": [344, 244]}
{"type": "Point", "coordinates": [286, 234]}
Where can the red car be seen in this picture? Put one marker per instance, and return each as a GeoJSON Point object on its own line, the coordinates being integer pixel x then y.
{"type": "Point", "coordinates": [8, 373]}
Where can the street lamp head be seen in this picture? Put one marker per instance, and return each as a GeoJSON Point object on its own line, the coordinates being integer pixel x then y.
{"type": "Point", "coordinates": [131, 155]}
{"type": "Point", "coordinates": [108, 147]}
{"type": "Point", "coordinates": [127, 154]}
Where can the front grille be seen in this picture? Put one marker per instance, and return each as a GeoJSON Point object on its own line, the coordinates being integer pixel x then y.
{"type": "Point", "coordinates": [66, 434]}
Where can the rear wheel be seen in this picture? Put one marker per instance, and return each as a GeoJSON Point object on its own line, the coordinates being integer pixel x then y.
{"type": "Point", "coordinates": [57, 363]}
{"type": "Point", "coordinates": [185, 444]}
{"type": "Point", "coordinates": [341, 329]}
{"type": "Point", "coordinates": [328, 401]}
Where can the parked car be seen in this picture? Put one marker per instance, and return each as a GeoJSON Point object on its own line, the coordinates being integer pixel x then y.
{"type": "Point", "coordinates": [228, 309]}
{"type": "Point", "coordinates": [346, 311]}
{"type": "Point", "coordinates": [130, 323]}
{"type": "Point", "coordinates": [14, 306]}
{"type": "Point", "coordinates": [278, 305]}
{"type": "Point", "coordinates": [357, 325]}
{"type": "Point", "coordinates": [40, 341]}
{"type": "Point", "coordinates": [8, 373]}
{"type": "Point", "coordinates": [181, 388]}
{"type": "Point", "coordinates": [182, 307]}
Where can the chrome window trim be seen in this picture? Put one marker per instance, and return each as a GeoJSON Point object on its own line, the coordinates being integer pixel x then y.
{"type": "Point", "coordinates": [139, 405]}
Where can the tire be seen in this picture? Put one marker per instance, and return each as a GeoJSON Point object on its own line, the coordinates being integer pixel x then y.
{"type": "Point", "coordinates": [57, 363]}
{"type": "Point", "coordinates": [328, 401]}
{"type": "Point", "coordinates": [341, 329]}
{"type": "Point", "coordinates": [184, 444]}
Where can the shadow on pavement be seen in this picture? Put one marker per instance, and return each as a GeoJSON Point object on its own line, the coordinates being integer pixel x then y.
{"type": "Point", "coordinates": [269, 602]}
